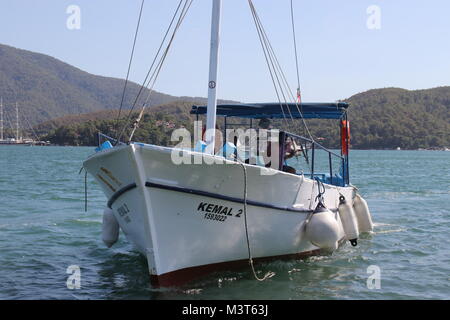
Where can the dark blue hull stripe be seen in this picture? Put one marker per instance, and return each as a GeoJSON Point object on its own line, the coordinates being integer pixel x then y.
{"type": "Point", "coordinates": [222, 197]}
{"type": "Point", "coordinates": [131, 186]}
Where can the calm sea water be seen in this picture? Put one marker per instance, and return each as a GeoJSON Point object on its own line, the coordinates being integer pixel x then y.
{"type": "Point", "coordinates": [44, 229]}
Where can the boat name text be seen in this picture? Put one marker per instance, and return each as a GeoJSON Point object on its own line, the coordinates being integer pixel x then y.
{"type": "Point", "coordinates": [217, 212]}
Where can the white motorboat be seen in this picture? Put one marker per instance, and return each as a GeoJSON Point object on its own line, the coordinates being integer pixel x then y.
{"type": "Point", "coordinates": [192, 211]}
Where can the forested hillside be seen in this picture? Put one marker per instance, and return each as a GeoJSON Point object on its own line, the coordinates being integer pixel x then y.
{"type": "Point", "coordinates": [380, 119]}
{"type": "Point", "coordinates": [46, 88]}
{"type": "Point", "coordinates": [68, 106]}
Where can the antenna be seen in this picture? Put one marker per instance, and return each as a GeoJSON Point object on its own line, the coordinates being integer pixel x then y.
{"type": "Point", "coordinates": [1, 119]}
{"type": "Point", "coordinates": [17, 123]}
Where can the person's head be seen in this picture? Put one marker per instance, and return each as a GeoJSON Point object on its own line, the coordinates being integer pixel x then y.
{"type": "Point", "coordinates": [264, 123]}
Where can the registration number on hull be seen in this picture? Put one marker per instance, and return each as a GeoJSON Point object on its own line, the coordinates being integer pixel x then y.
{"type": "Point", "coordinates": [217, 212]}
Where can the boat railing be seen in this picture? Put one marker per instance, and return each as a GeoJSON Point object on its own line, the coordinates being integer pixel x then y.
{"type": "Point", "coordinates": [101, 138]}
{"type": "Point", "coordinates": [314, 146]}
{"type": "Point", "coordinates": [341, 178]}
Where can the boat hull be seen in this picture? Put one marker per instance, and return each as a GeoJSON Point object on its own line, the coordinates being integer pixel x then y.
{"type": "Point", "coordinates": [189, 219]}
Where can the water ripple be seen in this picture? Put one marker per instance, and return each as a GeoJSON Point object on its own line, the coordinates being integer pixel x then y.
{"type": "Point", "coordinates": [45, 229]}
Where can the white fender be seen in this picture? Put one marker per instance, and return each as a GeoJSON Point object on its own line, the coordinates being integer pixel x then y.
{"type": "Point", "coordinates": [110, 228]}
{"type": "Point", "coordinates": [322, 230]}
{"type": "Point", "coordinates": [363, 216]}
{"type": "Point", "coordinates": [349, 221]}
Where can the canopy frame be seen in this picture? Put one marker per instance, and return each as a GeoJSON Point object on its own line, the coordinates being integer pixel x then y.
{"type": "Point", "coordinates": [336, 110]}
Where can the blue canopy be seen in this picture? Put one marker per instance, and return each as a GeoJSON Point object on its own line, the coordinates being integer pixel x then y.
{"type": "Point", "coordinates": [279, 111]}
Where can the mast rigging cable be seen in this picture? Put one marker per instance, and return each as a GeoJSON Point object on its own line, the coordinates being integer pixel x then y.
{"type": "Point", "coordinates": [129, 66]}
{"type": "Point", "coordinates": [296, 55]}
{"type": "Point", "coordinates": [272, 60]}
{"type": "Point", "coordinates": [155, 73]}
{"type": "Point", "coordinates": [158, 69]}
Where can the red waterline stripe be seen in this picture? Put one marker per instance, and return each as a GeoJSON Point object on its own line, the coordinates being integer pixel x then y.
{"type": "Point", "coordinates": [183, 276]}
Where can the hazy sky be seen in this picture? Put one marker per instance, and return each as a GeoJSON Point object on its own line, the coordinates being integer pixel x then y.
{"type": "Point", "coordinates": [339, 54]}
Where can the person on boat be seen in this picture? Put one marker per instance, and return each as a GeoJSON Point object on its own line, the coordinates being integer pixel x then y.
{"type": "Point", "coordinates": [217, 138]}
{"type": "Point", "coordinates": [265, 123]}
{"type": "Point", "coordinates": [289, 152]}
{"type": "Point", "coordinates": [289, 146]}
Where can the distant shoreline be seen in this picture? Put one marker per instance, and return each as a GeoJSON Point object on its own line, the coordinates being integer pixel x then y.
{"type": "Point", "coordinates": [358, 149]}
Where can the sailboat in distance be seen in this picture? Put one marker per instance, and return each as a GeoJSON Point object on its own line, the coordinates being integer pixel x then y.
{"type": "Point", "coordinates": [18, 139]}
{"type": "Point", "coordinates": [16, 130]}
{"type": "Point", "coordinates": [255, 195]}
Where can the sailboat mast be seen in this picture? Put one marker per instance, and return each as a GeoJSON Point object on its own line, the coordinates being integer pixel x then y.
{"type": "Point", "coordinates": [17, 122]}
{"type": "Point", "coordinates": [212, 84]}
{"type": "Point", "coordinates": [1, 119]}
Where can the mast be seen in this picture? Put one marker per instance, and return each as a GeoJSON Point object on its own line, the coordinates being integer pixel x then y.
{"type": "Point", "coordinates": [1, 118]}
{"type": "Point", "coordinates": [17, 122]}
{"type": "Point", "coordinates": [212, 83]}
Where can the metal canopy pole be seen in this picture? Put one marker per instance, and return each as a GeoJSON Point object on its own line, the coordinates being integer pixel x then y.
{"type": "Point", "coordinates": [348, 150]}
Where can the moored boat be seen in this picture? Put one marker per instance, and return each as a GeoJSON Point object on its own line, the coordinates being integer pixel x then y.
{"type": "Point", "coordinates": [216, 205]}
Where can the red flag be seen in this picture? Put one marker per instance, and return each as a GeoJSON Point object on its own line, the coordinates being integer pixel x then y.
{"type": "Point", "coordinates": [299, 96]}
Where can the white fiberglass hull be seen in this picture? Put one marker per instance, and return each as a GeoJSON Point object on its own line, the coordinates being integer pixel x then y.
{"type": "Point", "coordinates": [188, 219]}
